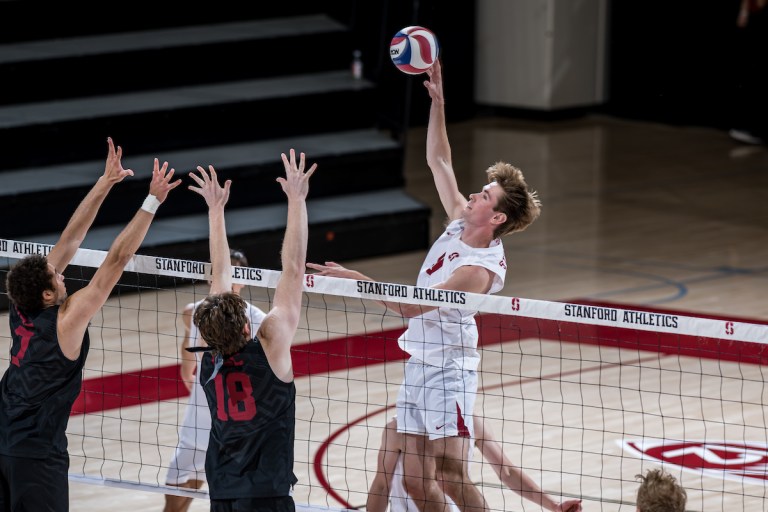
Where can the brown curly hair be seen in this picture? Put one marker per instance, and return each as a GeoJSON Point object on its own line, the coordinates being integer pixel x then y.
{"type": "Point", "coordinates": [520, 205]}
{"type": "Point", "coordinates": [27, 281]}
{"type": "Point", "coordinates": [221, 319]}
{"type": "Point", "coordinates": [660, 492]}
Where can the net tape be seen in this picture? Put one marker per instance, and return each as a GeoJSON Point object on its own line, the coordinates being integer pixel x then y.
{"type": "Point", "coordinates": [724, 329]}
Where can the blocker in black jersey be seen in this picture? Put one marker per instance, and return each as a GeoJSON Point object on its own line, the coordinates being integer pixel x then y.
{"type": "Point", "coordinates": [253, 417]}
{"type": "Point", "coordinates": [248, 377]}
{"type": "Point", "coordinates": [39, 388]}
{"type": "Point", "coordinates": [38, 391]}
{"type": "Point", "coordinates": [50, 345]}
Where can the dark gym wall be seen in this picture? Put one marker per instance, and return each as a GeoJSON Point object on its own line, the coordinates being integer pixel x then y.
{"type": "Point", "coordinates": [670, 61]}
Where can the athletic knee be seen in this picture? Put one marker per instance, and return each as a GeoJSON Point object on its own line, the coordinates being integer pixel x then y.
{"type": "Point", "coordinates": [420, 488]}
{"type": "Point", "coordinates": [452, 470]}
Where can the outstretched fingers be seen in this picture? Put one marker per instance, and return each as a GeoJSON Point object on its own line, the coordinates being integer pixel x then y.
{"type": "Point", "coordinates": [435, 83]}
{"type": "Point", "coordinates": [311, 171]}
{"type": "Point", "coordinates": [113, 170]}
{"type": "Point", "coordinates": [209, 188]}
{"type": "Point", "coordinates": [330, 268]}
{"type": "Point", "coordinates": [296, 180]}
{"type": "Point", "coordinates": [161, 181]}
{"type": "Point", "coordinates": [201, 180]}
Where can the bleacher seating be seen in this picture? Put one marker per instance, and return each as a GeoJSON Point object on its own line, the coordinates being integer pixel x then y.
{"type": "Point", "coordinates": [233, 89]}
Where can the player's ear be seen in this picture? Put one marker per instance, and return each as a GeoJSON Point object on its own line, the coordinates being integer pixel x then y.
{"type": "Point", "coordinates": [247, 330]}
{"type": "Point", "coordinates": [499, 218]}
{"type": "Point", "coordinates": [49, 296]}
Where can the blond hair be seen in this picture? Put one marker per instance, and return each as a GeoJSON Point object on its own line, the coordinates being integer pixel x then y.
{"type": "Point", "coordinates": [520, 205]}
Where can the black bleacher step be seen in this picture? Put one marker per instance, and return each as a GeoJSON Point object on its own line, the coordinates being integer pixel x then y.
{"type": "Point", "coordinates": [65, 131]}
{"type": "Point", "coordinates": [152, 59]}
{"type": "Point", "coordinates": [23, 20]}
{"type": "Point", "coordinates": [348, 162]}
{"type": "Point", "coordinates": [340, 228]}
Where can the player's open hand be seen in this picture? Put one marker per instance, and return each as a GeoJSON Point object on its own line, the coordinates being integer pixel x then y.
{"type": "Point", "coordinates": [296, 181]}
{"type": "Point", "coordinates": [161, 181]}
{"type": "Point", "coordinates": [435, 83]}
{"type": "Point", "coordinates": [214, 194]}
{"type": "Point", "coordinates": [333, 269]}
{"type": "Point", "coordinates": [113, 170]}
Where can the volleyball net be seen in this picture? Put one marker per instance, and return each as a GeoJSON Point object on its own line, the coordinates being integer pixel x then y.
{"type": "Point", "coordinates": [581, 396]}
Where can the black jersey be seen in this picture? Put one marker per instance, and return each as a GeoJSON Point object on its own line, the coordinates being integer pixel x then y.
{"type": "Point", "coordinates": [39, 387]}
{"type": "Point", "coordinates": [253, 419]}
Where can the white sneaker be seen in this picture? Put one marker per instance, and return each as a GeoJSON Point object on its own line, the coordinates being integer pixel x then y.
{"type": "Point", "coordinates": [745, 137]}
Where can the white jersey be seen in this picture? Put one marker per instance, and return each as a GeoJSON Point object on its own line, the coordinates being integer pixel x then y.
{"type": "Point", "coordinates": [189, 459]}
{"type": "Point", "coordinates": [448, 337]}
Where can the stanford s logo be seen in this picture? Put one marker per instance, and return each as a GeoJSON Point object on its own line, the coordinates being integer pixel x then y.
{"type": "Point", "coordinates": [439, 263]}
{"type": "Point", "coordinates": [515, 304]}
{"type": "Point", "coordinates": [729, 329]}
{"type": "Point", "coordinates": [503, 263]}
{"type": "Point", "coordinates": [310, 280]}
{"type": "Point", "coordinates": [729, 460]}
{"type": "Point", "coordinates": [453, 256]}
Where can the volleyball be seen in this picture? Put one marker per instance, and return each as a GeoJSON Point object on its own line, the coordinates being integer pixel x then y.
{"type": "Point", "coordinates": [414, 50]}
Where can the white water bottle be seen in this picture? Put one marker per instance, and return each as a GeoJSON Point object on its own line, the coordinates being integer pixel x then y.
{"type": "Point", "coordinates": [357, 65]}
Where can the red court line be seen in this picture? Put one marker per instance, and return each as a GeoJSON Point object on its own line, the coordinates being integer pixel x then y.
{"type": "Point", "coordinates": [162, 383]}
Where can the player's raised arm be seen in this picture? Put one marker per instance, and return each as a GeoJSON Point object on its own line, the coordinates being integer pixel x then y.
{"type": "Point", "coordinates": [438, 148]}
{"type": "Point", "coordinates": [188, 360]}
{"type": "Point", "coordinates": [81, 221]}
{"type": "Point", "coordinates": [279, 326]}
{"type": "Point", "coordinates": [216, 197]}
{"type": "Point", "coordinates": [76, 312]}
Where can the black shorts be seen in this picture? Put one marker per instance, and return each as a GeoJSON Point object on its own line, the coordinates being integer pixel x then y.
{"type": "Point", "coordinates": [280, 504]}
{"type": "Point", "coordinates": [34, 485]}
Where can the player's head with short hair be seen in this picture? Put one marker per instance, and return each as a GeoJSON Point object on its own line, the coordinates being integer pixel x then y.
{"type": "Point", "coordinates": [222, 322]}
{"type": "Point", "coordinates": [237, 257]}
{"type": "Point", "coordinates": [520, 205]}
{"type": "Point", "coordinates": [27, 281]}
{"type": "Point", "coordinates": [660, 492]}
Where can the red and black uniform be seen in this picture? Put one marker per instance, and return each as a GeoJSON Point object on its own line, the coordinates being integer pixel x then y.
{"type": "Point", "coordinates": [37, 392]}
{"type": "Point", "coordinates": [250, 452]}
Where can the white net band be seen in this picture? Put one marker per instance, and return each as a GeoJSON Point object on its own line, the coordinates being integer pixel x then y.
{"type": "Point", "coordinates": [546, 310]}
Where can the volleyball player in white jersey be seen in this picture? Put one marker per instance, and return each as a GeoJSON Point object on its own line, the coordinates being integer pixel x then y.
{"type": "Point", "coordinates": [187, 468]}
{"type": "Point", "coordinates": [387, 485]}
{"type": "Point", "coordinates": [437, 397]}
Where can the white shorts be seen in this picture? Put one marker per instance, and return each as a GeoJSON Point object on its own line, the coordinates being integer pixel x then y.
{"type": "Point", "coordinates": [188, 461]}
{"type": "Point", "coordinates": [438, 402]}
{"type": "Point", "coordinates": [188, 464]}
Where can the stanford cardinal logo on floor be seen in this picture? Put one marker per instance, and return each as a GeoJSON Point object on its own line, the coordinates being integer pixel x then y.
{"type": "Point", "coordinates": [732, 460]}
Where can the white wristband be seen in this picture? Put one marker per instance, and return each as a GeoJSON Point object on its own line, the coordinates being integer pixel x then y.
{"type": "Point", "coordinates": [150, 204]}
